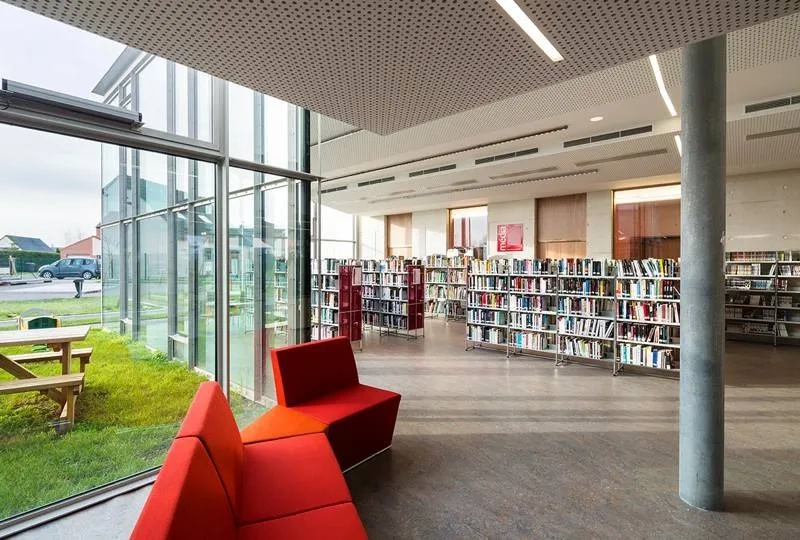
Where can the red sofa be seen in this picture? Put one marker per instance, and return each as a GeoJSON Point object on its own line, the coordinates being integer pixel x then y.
{"type": "Point", "coordinates": [213, 486]}
{"type": "Point", "coordinates": [320, 379]}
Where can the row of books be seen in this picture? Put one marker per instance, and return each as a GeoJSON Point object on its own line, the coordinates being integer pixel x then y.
{"type": "Point", "coordinates": [530, 303]}
{"type": "Point", "coordinates": [487, 316]}
{"type": "Point", "coordinates": [646, 333]}
{"type": "Point", "coordinates": [749, 284]}
{"type": "Point", "coordinates": [792, 270]}
{"type": "Point", "coordinates": [328, 282]}
{"type": "Point", "coordinates": [532, 321]}
{"type": "Point", "coordinates": [534, 284]}
{"type": "Point", "coordinates": [494, 266]}
{"type": "Point", "coordinates": [532, 341]}
{"type": "Point", "coordinates": [584, 306]}
{"type": "Point", "coordinates": [749, 313]}
{"type": "Point", "coordinates": [753, 328]}
{"type": "Point", "coordinates": [754, 269]}
{"type": "Point", "coordinates": [329, 316]}
{"type": "Point", "coordinates": [584, 267]}
{"type": "Point", "coordinates": [324, 332]}
{"type": "Point", "coordinates": [648, 311]}
{"type": "Point", "coordinates": [486, 334]}
{"type": "Point", "coordinates": [647, 267]}
{"type": "Point", "coordinates": [329, 299]}
{"type": "Point", "coordinates": [649, 289]}
{"type": "Point", "coordinates": [573, 346]}
{"type": "Point", "coordinates": [787, 302]}
{"type": "Point", "coordinates": [532, 267]}
{"type": "Point", "coordinates": [596, 328]}
{"type": "Point", "coordinates": [588, 287]}
{"type": "Point", "coordinates": [497, 283]}
{"type": "Point", "coordinates": [487, 299]}
{"type": "Point", "coordinates": [647, 355]}
{"type": "Point", "coordinates": [436, 276]}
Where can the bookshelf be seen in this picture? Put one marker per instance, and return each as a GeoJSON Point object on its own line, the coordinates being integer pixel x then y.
{"type": "Point", "coordinates": [615, 313]}
{"type": "Point", "coordinates": [336, 300]}
{"type": "Point", "coordinates": [457, 272]}
{"type": "Point", "coordinates": [762, 296]}
{"type": "Point", "coordinates": [647, 315]}
{"type": "Point", "coordinates": [394, 296]}
{"type": "Point", "coordinates": [436, 286]}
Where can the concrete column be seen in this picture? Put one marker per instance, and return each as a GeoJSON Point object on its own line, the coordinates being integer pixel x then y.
{"type": "Point", "coordinates": [702, 388]}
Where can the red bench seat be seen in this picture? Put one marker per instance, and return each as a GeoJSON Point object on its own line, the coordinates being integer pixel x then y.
{"type": "Point", "coordinates": [258, 490]}
{"type": "Point", "coordinates": [320, 379]}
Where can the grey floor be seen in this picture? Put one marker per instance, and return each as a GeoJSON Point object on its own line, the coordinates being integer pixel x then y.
{"type": "Point", "coordinates": [492, 448]}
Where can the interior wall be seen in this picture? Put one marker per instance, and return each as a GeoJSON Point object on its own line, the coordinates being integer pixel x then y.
{"type": "Point", "coordinates": [429, 233]}
{"type": "Point", "coordinates": [512, 212]}
{"type": "Point", "coordinates": [600, 224]}
{"type": "Point", "coordinates": [372, 237]}
{"type": "Point", "coordinates": [763, 211]}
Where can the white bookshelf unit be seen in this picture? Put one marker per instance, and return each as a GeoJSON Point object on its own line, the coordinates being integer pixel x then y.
{"type": "Point", "coordinates": [393, 294]}
{"type": "Point", "coordinates": [762, 296]}
{"type": "Point", "coordinates": [615, 313]}
{"type": "Point", "coordinates": [446, 287]}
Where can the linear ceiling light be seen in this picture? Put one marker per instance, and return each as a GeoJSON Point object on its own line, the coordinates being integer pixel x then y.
{"type": "Point", "coordinates": [650, 194]}
{"type": "Point", "coordinates": [661, 88]}
{"type": "Point", "coordinates": [678, 144]}
{"type": "Point", "coordinates": [528, 26]}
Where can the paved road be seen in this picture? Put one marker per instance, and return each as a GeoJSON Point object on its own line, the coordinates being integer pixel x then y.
{"type": "Point", "coordinates": [42, 291]}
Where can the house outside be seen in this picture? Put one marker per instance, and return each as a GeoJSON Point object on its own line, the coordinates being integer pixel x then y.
{"type": "Point", "coordinates": [90, 246]}
{"type": "Point", "coordinates": [25, 243]}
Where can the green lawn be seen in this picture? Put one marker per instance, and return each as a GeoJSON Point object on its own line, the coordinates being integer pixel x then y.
{"type": "Point", "coordinates": [85, 305]}
{"type": "Point", "coordinates": [127, 414]}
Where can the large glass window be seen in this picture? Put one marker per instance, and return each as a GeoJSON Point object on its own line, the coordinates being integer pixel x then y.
{"type": "Point", "coordinates": [469, 228]}
{"type": "Point", "coordinates": [152, 260]}
{"type": "Point", "coordinates": [153, 94]}
{"type": "Point", "coordinates": [159, 257]}
{"type": "Point", "coordinates": [202, 248]}
{"type": "Point", "coordinates": [110, 271]}
{"type": "Point", "coordinates": [648, 223]}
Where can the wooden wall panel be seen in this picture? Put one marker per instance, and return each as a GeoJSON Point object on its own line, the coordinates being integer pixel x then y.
{"type": "Point", "coordinates": [561, 219]}
{"type": "Point", "coordinates": [398, 235]}
{"type": "Point", "coordinates": [561, 226]}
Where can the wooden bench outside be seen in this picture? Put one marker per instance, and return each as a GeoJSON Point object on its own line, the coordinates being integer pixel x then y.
{"type": "Point", "coordinates": [70, 386]}
{"type": "Point", "coordinates": [28, 358]}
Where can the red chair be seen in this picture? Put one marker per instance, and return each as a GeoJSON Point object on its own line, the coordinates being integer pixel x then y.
{"type": "Point", "coordinates": [285, 488]}
{"type": "Point", "coordinates": [320, 379]}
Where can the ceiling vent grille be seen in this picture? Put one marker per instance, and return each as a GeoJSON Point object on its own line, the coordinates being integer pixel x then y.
{"type": "Point", "coordinates": [459, 183]}
{"type": "Point", "coordinates": [777, 133]}
{"type": "Point", "coordinates": [378, 181]}
{"type": "Point", "coordinates": [331, 190]}
{"type": "Point", "coordinates": [608, 136]}
{"type": "Point", "coordinates": [433, 170]}
{"type": "Point", "coordinates": [622, 157]}
{"type": "Point", "coordinates": [509, 155]}
{"type": "Point", "coordinates": [772, 104]}
{"type": "Point", "coordinates": [489, 186]}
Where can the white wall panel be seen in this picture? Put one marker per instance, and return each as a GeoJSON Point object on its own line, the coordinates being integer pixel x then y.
{"type": "Point", "coordinates": [429, 233]}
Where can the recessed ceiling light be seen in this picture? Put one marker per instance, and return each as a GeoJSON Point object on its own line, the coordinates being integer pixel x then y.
{"type": "Point", "coordinates": [661, 88]}
{"type": "Point", "coordinates": [678, 144]}
{"type": "Point", "coordinates": [527, 25]}
{"type": "Point", "coordinates": [595, 118]}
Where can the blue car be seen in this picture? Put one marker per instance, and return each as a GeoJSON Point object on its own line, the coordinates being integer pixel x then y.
{"type": "Point", "coordinates": [71, 267]}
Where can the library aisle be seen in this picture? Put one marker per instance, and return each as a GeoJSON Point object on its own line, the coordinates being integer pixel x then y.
{"type": "Point", "coordinates": [507, 448]}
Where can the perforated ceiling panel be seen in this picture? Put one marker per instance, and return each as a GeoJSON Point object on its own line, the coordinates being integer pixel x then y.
{"type": "Point", "coordinates": [385, 66]}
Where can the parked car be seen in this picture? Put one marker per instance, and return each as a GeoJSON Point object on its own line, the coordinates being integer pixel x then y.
{"type": "Point", "coordinates": [71, 267]}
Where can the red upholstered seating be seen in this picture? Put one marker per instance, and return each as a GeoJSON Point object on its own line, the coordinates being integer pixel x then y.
{"type": "Point", "coordinates": [187, 500]}
{"type": "Point", "coordinates": [280, 422]}
{"type": "Point", "coordinates": [321, 379]}
{"type": "Point", "coordinates": [338, 522]}
{"type": "Point", "coordinates": [213, 486]}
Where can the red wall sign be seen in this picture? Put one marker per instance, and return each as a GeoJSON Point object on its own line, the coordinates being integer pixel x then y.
{"type": "Point", "coordinates": [509, 237]}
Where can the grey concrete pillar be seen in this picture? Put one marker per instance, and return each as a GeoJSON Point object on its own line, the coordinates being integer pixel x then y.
{"type": "Point", "coordinates": [702, 386]}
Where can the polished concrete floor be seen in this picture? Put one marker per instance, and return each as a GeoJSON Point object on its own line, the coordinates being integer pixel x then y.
{"type": "Point", "coordinates": [489, 447]}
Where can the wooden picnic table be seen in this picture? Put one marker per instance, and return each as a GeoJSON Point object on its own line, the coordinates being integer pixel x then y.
{"type": "Point", "coordinates": [64, 337]}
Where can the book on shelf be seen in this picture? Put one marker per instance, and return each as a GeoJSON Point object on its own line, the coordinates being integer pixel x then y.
{"type": "Point", "coordinates": [584, 267]}
{"type": "Point", "coordinates": [532, 267]}
{"type": "Point", "coordinates": [587, 287]}
{"type": "Point", "coordinates": [647, 268]}
{"type": "Point", "coordinates": [647, 355]}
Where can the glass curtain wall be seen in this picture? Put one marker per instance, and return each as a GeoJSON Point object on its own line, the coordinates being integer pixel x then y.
{"type": "Point", "coordinates": [648, 223]}
{"type": "Point", "coordinates": [469, 229]}
{"type": "Point", "coordinates": [163, 249]}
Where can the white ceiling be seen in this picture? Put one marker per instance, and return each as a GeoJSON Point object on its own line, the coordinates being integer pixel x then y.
{"type": "Point", "coordinates": [387, 66]}
{"type": "Point", "coordinates": [763, 64]}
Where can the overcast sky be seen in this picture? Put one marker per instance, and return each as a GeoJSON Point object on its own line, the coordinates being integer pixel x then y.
{"type": "Point", "coordinates": [50, 184]}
